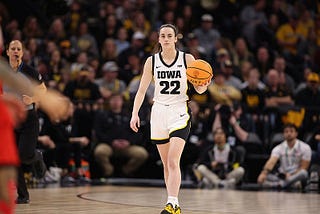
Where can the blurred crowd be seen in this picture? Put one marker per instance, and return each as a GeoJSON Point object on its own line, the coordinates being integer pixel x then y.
{"type": "Point", "coordinates": [265, 56]}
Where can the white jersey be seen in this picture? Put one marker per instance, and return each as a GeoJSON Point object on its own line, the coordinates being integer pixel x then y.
{"type": "Point", "coordinates": [290, 159]}
{"type": "Point", "coordinates": [170, 80]}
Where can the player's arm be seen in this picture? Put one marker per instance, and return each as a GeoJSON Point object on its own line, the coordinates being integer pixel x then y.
{"type": "Point", "coordinates": [199, 88]}
{"type": "Point", "coordinates": [144, 84]}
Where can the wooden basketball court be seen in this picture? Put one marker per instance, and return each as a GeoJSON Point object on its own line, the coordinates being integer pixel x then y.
{"type": "Point", "coordinates": [150, 200]}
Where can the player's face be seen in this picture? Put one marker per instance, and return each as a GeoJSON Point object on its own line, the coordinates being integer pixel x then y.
{"type": "Point", "coordinates": [15, 51]}
{"type": "Point", "coordinates": [290, 134]}
{"type": "Point", "coordinates": [167, 37]}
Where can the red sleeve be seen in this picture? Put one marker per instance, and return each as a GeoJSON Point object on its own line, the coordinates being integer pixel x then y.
{"type": "Point", "coordinates": [8, 149]}
{"type": "Point", "coordinates": [1, 90]}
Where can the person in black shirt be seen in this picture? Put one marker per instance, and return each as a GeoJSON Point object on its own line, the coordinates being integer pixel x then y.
{"type": "Point", "coordinates": [253, 99]}
{"type": "Point", "coordinates": [116, 139]}
{"type": "Point", "coordinates": [27, 133]}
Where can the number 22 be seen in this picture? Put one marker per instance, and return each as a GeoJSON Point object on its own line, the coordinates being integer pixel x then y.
{"type": "Point", "coordinates": [166, 85]}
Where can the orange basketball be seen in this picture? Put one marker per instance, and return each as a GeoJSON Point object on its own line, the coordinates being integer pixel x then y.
{"type": "Point", "coordinates": [199, 72]}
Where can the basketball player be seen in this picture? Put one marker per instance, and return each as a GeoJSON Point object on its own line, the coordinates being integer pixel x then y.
{"type": "Point", "coordinates": [170, 115]}
{"type": "Point", "coordinates": [27, 133]}
{"type": "Point", "coordinates": [11, 112]}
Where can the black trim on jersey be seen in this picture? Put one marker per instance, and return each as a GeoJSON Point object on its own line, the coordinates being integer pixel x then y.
{"type": "Point", "coordinates": [184, 60]}
{"type": "Point", "coordinates": [153, 64]}
{"type": "Point", "coordinates": [174, 61]}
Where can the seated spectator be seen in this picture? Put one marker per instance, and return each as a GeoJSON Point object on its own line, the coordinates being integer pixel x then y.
{"type": "Point", "coordinates": [309, 98]}
{"type": "Point", "coordinates": [294, 156]}
{"type": "Point", "coordinates": [228, 69]}
{"type": "Point", "coordinates": [253, 98]}
{"type": "Point", "coordinates": [222, 93]}
{"type": "Point", "coordinates": [277, 98]}
{"type": "Point", "coordinates": [109, 83]}
{"type": "Point", "coordinates": [207, 34]}
{"type": "Point", "coordinates": [242, 53]}
{"type": "Point", "coordinates": [116, 139]}
{"type": "Point", "coordinates": [82, 88]}
{"type": "Point", "coordinates": [239, 132]}
{"type": "Point", "coordinates": [218, 166]}
{"type": "Point", "coordinates": [286, 80]}
{"type": "Point", "coordinates": [303, 83]}
{"type": "Point", "coordinates": [67, 144]}
{"type": "Point", "coordinates": [263, 61]}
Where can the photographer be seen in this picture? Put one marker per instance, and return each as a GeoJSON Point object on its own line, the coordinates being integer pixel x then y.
{"type": "Point", "coordinates": [218, 166]}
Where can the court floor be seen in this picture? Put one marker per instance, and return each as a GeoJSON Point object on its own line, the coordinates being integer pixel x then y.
{"type": "Point", "coordinates": [150, 200]}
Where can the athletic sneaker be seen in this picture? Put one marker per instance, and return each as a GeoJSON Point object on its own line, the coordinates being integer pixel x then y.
{"type": "Point", "coordinates": [169, 209]}
{"type": "Point", "coordinates": [177, 210]}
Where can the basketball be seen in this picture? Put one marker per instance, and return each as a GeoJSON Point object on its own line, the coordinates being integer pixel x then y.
{"type": "Point", "coordinates": [199, 72]}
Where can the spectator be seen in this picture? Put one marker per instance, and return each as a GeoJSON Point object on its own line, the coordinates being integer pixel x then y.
{"type": "Point", "coordinates": [67, 144]}
{"type": "Point", "coordinates": [294, 156]}
{"type": "Point", "coordinates": [309, 98]}
{"type": "Point", "coordinates": [253, 98]}
{"type": "Point", "coordinates": [276, 94]}
{"type": "Point", "coordinates": [286, 80]}
{"type": "Point", "coordinates": [263, 61]}
{"type": "Point", "coordinates": [277, 99]}
{"type": "Point", "coordinates": [242, 53]}
{"type": "Point", "coordinates": [303, 84]}
{"type": "Point", "coordinates": [32, 28]}
{"type": "Point", "coordinates": [228, 70]}
{"type": "Point", "coordinates": [110, 83]}
{"type": "Point", "coordinates": [116, 139]}
{"type": "Point", "coordinates": [109, 50]}
{"type": "Point", "coordinates": [83, 41]}
{"type": "Point", "coordinates": [289, 35]}
{"type": "Point", "coordinates": [252, 16]}
{"type": "Point", "coordinates": [207, 34]}
{"type": "Point", "coordinates": [121, 41]}
{"type": "Point", "coordinates": [137, 47]}
{"type": "Point", "coordinates": [218, 167]}
{"type": "Point", "coordinates": [222, 93]}
{"type": "Point", "coordinates": [132, 69]}
{"type": "Point", "coordinates": [82, 88]}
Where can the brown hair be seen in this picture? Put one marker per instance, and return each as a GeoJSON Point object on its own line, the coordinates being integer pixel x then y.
{"type": "Point", "coordinates": [158, 47]}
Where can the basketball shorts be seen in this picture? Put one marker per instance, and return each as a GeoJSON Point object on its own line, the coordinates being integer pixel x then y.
{"type": "Point", "coordinates": [8, 150]}
{"type": "Point", "coordinates": [169, 121]}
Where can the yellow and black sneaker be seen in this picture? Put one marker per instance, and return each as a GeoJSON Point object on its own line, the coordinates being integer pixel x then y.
{"type": "Point", "coordinates": [169, 209]}
{"type": "Point", "coordinates": [177, 210]}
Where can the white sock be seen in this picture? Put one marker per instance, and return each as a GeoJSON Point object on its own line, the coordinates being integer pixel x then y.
{"type": "Point", "coordinates": [173, 200]}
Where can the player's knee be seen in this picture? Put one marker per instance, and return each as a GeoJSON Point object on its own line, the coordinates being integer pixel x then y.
{"type": "Point", "coordinates": [172, 164]}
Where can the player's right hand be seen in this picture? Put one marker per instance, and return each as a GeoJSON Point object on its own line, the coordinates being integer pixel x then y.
{"type": "Point", "coordinates": [135, 123]}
